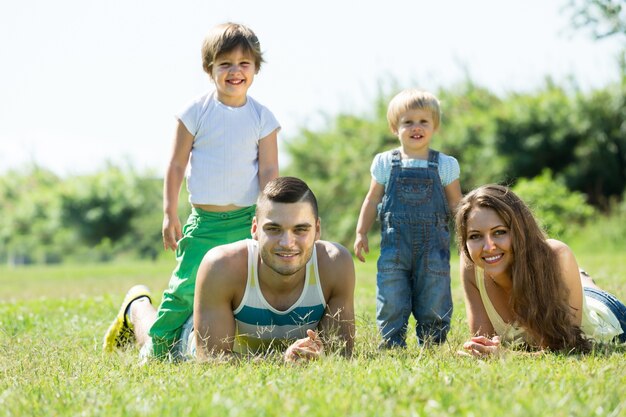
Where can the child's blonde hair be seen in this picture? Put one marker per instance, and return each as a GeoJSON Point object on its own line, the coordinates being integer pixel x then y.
{"type": "Point", "coordinates": [412, 99]}
{"type": "Point", "coordinates": [227, 37]}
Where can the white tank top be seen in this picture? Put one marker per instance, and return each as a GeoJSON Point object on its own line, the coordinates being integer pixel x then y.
{"type": "Point", "coordinates": [261, 327]}
{"type": "Point", "coordinates": [598, 321]}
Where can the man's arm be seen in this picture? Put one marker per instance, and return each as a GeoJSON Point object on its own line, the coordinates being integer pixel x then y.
{"type": "Point", "coordinates": [216, 286]}
{"type": "Point", "coordinates": [336, 270]}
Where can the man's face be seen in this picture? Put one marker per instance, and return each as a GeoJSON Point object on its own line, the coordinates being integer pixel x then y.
{"type": "Point", "coordinates": [286, 233]}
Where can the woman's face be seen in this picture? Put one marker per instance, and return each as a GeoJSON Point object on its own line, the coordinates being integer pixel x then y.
{"type": "Point", "coordinates": [488, 241]}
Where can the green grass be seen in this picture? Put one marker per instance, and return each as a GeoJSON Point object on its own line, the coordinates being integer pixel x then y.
{"type": "Point", "coordinates": [52, 320]}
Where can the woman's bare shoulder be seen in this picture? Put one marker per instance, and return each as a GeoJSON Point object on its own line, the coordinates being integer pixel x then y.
{"type": "Point", "coordinates": [559, 247]}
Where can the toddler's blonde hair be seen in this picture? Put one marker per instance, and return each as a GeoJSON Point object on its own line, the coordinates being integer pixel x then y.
{"type": "Point", "coordinates": [412, 99]}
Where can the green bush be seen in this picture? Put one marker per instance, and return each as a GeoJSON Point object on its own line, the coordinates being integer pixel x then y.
{"type": "Point", "coordinates": [560, 211]}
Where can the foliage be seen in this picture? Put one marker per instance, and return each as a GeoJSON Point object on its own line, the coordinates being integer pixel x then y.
{"type": "Point", "coordinates": [537, 131]}
{"type": "Point", "coordinates": [113, 209]}
{"type": "Point", "coordinates": [51, 363]}
{"type": "Point", "coordinates": [604, 18]}
{"type": "Point", "coordinates": [467, 132]}
{"type": "Point", "coordinates": [94, 217]}
{"type": "Point", "coordinates": [559, 210]}
{"type": "Point", "coordinates": [580, 138]}
{"type": "Point", "coordinates": [599, 166]}
{"type": "Point", "coordinates": [606, 232]}
{"type": "Point", "coordinates": [335, 164]}
{"type": "Point", "coordinates": [30, 218]}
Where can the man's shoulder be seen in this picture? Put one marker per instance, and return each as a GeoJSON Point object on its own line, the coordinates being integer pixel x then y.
{"type": "Point", "coordinates": [336, 268]}
{"type": "Point", "coordinates": [227, 262]}
{"type": "Point", "coordinates": [332, 250]}
{"type": "Point", "coordinates": [332, 256]}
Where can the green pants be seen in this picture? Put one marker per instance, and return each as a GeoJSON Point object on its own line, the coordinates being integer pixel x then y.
{"type": "Point", "coordinates": [203, 231]}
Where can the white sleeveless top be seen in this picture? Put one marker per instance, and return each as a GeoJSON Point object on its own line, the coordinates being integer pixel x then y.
{"type": "Point", "coordinates": [598, 321]}
{"type": "Point", "coordinates": [261, 327]}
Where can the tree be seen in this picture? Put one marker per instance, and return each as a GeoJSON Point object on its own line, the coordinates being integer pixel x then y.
{"type": "Point", "coordinates": [534, 131]}
{"type": "Point", "coordinates": [604, 18]}
{"type": "Point", "coordinates": [468, 133]}
{"type": "Point", "coordinates": [336, 160]}
{"type": "Point", "coordinates": [599, 169]}
{"type": "Point", "coordinates": [113, 210]}
{"type": "Point", "coordinates": [30, 221]}
{"type": "Point", "coordinates": [335, 163]}
{"type": "Point", "coordinates": [580, 138]}
{"type": "Point", "coordinates": [557, 208]}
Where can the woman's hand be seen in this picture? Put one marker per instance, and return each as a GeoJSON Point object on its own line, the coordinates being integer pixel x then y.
{"type": "Point", "coordinates": [307, 349]}
{"type": "Point", "coordinates": [481, 346]}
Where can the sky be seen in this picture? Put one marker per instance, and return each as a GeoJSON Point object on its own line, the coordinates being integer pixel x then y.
{"type": "Point", "coordinates": [84, 83]}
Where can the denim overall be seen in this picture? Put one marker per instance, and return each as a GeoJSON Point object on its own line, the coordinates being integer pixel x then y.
{"type": "Point", "coordinates": [414, 264]}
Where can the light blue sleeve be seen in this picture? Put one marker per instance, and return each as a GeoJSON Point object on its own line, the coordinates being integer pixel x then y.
{"type": "Point", "coordinates": [449, 169]}
{"type": "Point", "coordinates": [381, 168]}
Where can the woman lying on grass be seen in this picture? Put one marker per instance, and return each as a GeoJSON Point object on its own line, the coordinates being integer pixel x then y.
{"type": "Point", "coordinates": [521, 287]}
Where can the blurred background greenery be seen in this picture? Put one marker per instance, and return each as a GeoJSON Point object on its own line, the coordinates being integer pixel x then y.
{"type": "Point", "coordinates": [562, 149]}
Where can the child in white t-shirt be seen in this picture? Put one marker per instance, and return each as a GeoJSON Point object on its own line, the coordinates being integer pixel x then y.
{"type": "Point", "coordinates": [230, 142]}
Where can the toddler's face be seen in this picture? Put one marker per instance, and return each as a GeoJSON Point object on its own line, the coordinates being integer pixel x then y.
{"type": "Point", "coordinates": [233, 73]}
{"type": "Point", "coordinates": [415, 130]}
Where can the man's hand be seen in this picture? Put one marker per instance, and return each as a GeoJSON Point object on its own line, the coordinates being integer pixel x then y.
{"type": "Point", "coordinates": [307, 349]}
{"type": "Point", "coordinates": [481, 346]}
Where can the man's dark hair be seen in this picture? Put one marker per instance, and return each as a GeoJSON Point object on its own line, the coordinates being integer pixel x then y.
{"type": "Point", "coordinates": [288, 190]}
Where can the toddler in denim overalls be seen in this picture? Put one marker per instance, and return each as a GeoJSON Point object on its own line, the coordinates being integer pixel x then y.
{"type": "Point", "coordinates": [418, 188]}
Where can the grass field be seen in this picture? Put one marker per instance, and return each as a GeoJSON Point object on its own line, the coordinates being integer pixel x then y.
{"type": "Point", "coordinates": [52, 320]}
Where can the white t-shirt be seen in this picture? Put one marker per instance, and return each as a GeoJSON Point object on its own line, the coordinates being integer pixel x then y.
{"type": "Point", "coordinates": [224, 163]}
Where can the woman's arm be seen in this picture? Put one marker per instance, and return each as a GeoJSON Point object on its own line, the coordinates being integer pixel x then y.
{"type": "Point", "coordinates": [483, 341]}
{"type": "Point", "coordinates": [477, 318]}
{"type": "Point", "coordinates": [571, 278]}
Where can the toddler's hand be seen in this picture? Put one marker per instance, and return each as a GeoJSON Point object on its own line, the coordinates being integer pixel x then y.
{"type": "Point", "coordinates": [361, 244]}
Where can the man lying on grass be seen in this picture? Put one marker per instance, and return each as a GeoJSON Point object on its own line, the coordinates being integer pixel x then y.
{"type": "Point", "coordinates": [284, 289]}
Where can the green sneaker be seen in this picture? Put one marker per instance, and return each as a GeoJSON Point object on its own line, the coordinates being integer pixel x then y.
{"type": "Point", "coordinates": [120, 332]}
